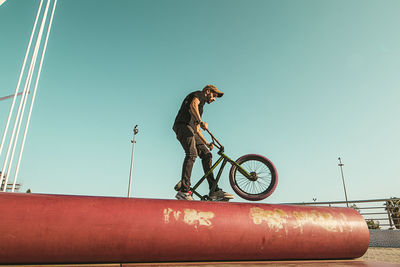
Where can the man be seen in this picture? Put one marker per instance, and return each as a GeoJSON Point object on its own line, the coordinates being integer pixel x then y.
{"type": "Point", "coordinates": [187, 128]}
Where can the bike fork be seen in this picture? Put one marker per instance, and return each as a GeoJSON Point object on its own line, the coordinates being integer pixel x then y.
{"type": "Point", "coordinates": [214, 186]}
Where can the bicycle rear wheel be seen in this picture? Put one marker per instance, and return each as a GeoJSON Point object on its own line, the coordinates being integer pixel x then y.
{"type": "Point", "coordinates": [263, 181]}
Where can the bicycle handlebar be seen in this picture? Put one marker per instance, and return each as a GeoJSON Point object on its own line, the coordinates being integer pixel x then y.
{"type": "Point", "coordinates": [219, 146]}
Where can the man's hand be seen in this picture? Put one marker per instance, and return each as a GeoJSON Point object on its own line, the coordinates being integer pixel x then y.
{"type": "Point", "coordinates": [204, 125]}
{"type": "Point", "coordinates": [210, 146]}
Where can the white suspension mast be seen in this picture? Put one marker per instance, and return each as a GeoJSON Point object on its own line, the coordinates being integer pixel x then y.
{"type": "Point", "coordinates": [33, 97]}
{"type": "Point", "coordinates": [20, 114]}
{"type": "Point", "coordinates": [20, 77]}
{"type": "Point", "coordinates": [21, 109]}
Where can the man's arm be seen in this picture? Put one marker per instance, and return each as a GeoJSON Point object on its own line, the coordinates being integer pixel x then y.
{"type": "Point", "coordinates": [194, 109]}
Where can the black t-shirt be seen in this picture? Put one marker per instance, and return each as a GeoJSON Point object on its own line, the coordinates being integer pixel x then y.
{"type": "Point", "coordinates": [184, 115]}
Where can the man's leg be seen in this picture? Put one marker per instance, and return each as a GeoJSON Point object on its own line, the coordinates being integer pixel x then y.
{"type": "Point", "coordinates": [206, 160]}
{"type": "Point", "coordinates": [187, 140]}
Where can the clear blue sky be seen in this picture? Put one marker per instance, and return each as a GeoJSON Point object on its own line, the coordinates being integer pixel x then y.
{"type": "Point", "coordinates": [304, 82]}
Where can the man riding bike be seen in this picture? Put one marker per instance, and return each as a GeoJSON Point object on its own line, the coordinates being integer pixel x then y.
{"type": "Point", "coordinates": [187, 128]}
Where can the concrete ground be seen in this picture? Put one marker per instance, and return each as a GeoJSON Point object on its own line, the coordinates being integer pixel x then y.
{"type": "Point", "coordinates": [377, 254]}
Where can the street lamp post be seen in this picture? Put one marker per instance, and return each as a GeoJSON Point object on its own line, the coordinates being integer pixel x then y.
{"type": "Point", "coordinates": [344, 185]}
{"type": "Point", "coordinates": [133, 141]}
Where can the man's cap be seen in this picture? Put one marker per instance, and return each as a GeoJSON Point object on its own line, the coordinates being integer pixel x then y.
{"type": "Point", "coordinates": [213, 89]}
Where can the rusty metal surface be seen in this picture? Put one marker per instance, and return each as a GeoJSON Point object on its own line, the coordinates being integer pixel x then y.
{"type": "Point", "coordinates": [336, 263]}
{"type": "Point", "coordinates": [77, 229]}
{"type": "Point", "coordinates": [329, 263]}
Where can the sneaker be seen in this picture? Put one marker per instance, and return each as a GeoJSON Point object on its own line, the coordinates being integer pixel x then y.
{"type": "Point", "coordinates": [219, 194]}
{"type": "Point", "coordinates": [184, 196]}
{"type": "Point", "coordinates": [178, 186]}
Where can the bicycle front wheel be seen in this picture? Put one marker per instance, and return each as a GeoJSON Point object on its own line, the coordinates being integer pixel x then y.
{"type": "Point", "coordinates": [262, 182]}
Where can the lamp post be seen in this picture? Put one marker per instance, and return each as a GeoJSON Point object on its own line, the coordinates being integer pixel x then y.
{"type": "Point", "coordinates": [344, 185]}
{"type": "Point", "coordinates": [133, 141]}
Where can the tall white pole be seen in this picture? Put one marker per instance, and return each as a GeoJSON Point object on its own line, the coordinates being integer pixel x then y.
{"type": "Point", "coordinates": [133, 141]}
{"type": "Point", "coordinates": [344, 185]}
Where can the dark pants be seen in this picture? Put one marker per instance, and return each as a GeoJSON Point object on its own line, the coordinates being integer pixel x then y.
{"type": "Point", "coordinates": [193, 147]}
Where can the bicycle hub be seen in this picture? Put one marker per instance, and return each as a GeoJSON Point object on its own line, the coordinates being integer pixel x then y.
{"type": "Point", "coordinates": [253, 176]}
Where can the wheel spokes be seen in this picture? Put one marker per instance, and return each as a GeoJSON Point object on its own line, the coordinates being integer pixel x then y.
{"type": "Point", "coordinates": [264, 177]}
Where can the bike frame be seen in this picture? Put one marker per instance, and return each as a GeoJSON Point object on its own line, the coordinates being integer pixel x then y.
{"type": "Point", "coordinates": [224, 158]}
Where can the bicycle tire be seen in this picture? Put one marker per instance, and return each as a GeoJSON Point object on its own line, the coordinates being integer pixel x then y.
{"type": "Point", "coordinates": [256, 164]}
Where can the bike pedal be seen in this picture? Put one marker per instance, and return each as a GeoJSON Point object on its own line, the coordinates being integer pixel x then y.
{"type": "Point", "coordinates": [206, 198]}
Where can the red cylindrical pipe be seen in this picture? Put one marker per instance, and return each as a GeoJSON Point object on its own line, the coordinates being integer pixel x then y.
{"type": "Point", "coordinates": [78, 229]}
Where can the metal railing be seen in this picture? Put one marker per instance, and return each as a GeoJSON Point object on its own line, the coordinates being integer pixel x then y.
{"type": "Point", "coordinates": [380, 212]}
{"type": "Point", "coordinates": [9, 186]}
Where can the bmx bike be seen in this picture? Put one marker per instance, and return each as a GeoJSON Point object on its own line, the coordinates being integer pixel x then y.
{"type": "Point", "coordinates": [252, 177]}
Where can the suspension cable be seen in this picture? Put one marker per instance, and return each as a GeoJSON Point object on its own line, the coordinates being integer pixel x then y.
{"type": "Point", "coordinates": [34, 95]}
{"type": "Point", "coordinates": [21, 108]}
{"type": "Point", "coordinates": [20, 78]}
